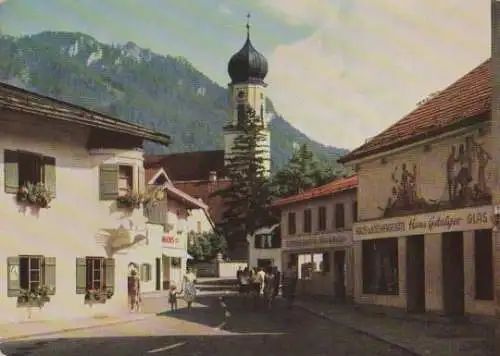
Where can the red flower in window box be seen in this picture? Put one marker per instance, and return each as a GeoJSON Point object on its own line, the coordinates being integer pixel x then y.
{"type": "Point", "coordinates": [129, 201]}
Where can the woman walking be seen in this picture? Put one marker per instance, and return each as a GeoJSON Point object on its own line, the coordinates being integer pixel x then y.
{"type": "Point", "coordinates": [189, 288]}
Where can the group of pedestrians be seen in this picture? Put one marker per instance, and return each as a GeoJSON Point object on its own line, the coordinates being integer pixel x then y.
{"type": "Point", "coordinates": [265, 283]}
{"type": "Point", "coordinates": [187, 291]}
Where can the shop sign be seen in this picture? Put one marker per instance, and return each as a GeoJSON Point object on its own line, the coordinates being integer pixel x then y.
{"type": "Point", "coordinates": [431, 223]}
{"type": "Point", "coordinates": [315, 241]}
{"type": "Point", "coordinates": [170, 241]}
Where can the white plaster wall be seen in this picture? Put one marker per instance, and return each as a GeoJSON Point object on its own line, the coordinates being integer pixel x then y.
{"type": "Point", "coordinates": [68, 229]}
{"type": "Point", "coordinates": [195, 216]}
{"type": "Point", "coordinates": [147, 251]}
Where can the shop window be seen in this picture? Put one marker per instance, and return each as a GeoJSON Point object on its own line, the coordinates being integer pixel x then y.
{"type": "Point", "coordinates": [30, 273]}
{"type": "Point", "coordinates": [483, 260]}
{"type": "Point", "coordinates": [321, 218]}
{"type": "Point", "coordinates": [116, 180]}
{"type": "Point", "coordinates": [146, 272]}
{"type": "Point", "coordinates": [21, 168]}
{"type": "Point", "coordinates": [292, 227]}
{"type": "Point", "coordinates": [380, 266]}
{"type": "Point", "coordinates": [317, 260]}
{"type": "Point", "coordinates": [95, 273]}
{"type": "Point", "coordinates": [339, 216]}
{"type": "Point", "coordinates": [355, 211]}
{"type": "Point", "coordinates": [176, 262]}
{"type": "Point", "coordinates": [307, 227]}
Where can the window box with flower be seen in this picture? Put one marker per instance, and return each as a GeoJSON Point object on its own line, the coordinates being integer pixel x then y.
{"type": "Point", "coordinates": [34, 298]}
{"type": "Point", "coordinates": [36, 195]}
{"type": "Point", "coordinates": [97, 296]}
{"type": "Point", "coordinates": [130, 201]}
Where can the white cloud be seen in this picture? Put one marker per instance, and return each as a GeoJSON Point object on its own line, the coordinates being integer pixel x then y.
{"type": "Point", "coordinates": [370, 61]}
{"type": "Point", "coordinates": [225, 9]}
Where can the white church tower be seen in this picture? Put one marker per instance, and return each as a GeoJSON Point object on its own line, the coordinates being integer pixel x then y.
{"type": "Point", "coordinates": [247, 70]}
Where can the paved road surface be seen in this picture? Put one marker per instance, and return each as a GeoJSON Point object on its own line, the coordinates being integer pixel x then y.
{"type": "Point", "coordinates": [215, 328]}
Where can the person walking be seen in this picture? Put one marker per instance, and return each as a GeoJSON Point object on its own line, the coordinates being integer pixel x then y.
{"type": "Point", "coordinates": [134, 290]}
{"type": "Point", "coordinates": [189, 288]}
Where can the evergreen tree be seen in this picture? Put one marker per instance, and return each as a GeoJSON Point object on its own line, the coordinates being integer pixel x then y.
{"type": "Point", "coordinates": [247, 198]}
{"type": "Point", "coordinates": [302, 172]}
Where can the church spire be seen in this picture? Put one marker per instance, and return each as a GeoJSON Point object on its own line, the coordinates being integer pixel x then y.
{"type": "Point", "coordinates": [248, 26]}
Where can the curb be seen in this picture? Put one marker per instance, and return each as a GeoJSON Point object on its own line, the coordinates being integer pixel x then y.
{"type": "Point", "coordinates": [374, 336]}
{"type": "Point", "coordinates": [66, 330]}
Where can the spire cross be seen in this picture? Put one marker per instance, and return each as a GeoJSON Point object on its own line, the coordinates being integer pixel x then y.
{"type": "Point", "coordinates": [248, 25]}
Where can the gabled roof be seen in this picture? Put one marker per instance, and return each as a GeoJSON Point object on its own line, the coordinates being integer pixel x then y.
{"type": "Point", "coordinates": [335, 187]}
{"type": "Point", "coordinates": [152, 174]}
{"type": "Point", "coordinates": [203, 190]}
{"type": "Point", "coordinates": [188, 166]}
{"type": "Point", "coordinates": [464, 102]}
{"type": "Point", "coordinates": [19, 100]}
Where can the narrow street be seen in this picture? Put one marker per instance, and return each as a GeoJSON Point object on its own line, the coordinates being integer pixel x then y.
{"type": "Point", "coordinates": [217, 326]}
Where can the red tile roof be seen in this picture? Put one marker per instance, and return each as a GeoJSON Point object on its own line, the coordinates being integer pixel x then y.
{"type": "Point", "coordinates": [203, 189]}
{"type": "Point", "coordinates": [466, 101]}
{"type": "Point", "coordinates": [149, 173]}
{"type": "Point", "coordinates": [337, 186]}
{"type": "Point", "coordinates": [188, 166]}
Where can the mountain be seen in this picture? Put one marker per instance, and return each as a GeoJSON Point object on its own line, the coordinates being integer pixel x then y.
{"type": "Point", "coordinates": [164, 93]}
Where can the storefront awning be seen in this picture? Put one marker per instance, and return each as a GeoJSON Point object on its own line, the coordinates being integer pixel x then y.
{"type": "Point", "coordinates": [176, 252]}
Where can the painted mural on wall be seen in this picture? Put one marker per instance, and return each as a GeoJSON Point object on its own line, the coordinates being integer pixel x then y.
{"type": "Point", "coordinates": [404, 192]}
{"type": "Point", "coordinates": [466, 182]}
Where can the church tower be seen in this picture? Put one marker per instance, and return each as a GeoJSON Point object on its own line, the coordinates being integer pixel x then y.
{"type": "Point", "coordinates": [247, 70]}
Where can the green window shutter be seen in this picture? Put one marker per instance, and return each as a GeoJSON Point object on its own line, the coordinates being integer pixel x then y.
{"type": "Point", "coordinates": [11, 171]}
{"type": "Point", "coordinates": [109, 278]}
{"type": "Point", "coordinates": [13, 277]}
{"type": "Point", "coordinates": [49, 174]}
{"type": "Point", "coordinates": [50, 274]}
{"type": "Point", "coordinates": [81, 275]}
{"type": "Point", "coordinates": [108, 181]}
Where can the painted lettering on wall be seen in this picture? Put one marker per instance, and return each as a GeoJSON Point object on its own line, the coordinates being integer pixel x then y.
{"type": "Point", "coordinates": [454, 220]}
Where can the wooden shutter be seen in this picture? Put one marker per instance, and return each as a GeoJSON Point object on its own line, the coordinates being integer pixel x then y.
{"type": "Point", "coordinates": [141, 180]}
{"type": "Point", "coordinates": [81, 275]}
{"type": "Point", "coordinates": [50, 274]}
{"type": "Point", "coordinates": [258, 241]}
{"type": "Point", "coordinates": [13, 276]}
{"type": "Point", "coordinates": [109, 278]}
{"type": "Point", "coordinates": [49, 174]}
{"type": "Point", "coordinates": [108, 181]}
{"type": "Point", "coordinates": [11, 171]}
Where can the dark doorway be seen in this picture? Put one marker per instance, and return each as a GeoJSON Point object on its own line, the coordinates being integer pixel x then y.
{"type": "Point", "coordinates": [339, 275]}
{"type": "Point", "coordinates": [264, 263]}
{"type": "Point", "coordinates": [415, 274]}
{"type": "Point", "coordinates": [158, 274]}
{"type": "Point", "coordinates": [452, 251]}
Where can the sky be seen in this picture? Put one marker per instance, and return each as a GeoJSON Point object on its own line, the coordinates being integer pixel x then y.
{"type": "Point", "coordinates": [341, 71]}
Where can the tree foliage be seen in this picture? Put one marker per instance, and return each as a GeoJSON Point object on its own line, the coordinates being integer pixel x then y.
{"type": "Point", "coordinates": [205, 246]}
{"type": "Point", "coordinates": [302, 172]}
{"type": "Point", "coordinates": [246, 200]}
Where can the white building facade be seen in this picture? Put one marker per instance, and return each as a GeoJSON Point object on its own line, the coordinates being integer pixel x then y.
{"type": "Point", "coordinates": [73, 252]}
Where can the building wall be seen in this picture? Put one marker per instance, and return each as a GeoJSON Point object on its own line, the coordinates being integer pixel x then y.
{"type": "Point", "coordinates": [377, 179]}
{"type": "Point", "coordinates": [146, 252]}
{"type": "Point", "coordinates": [71, 227]}
{"type": "Point", "coordinates": [330, 240]}
{"type": "Point", "coordinates": [198, 222]}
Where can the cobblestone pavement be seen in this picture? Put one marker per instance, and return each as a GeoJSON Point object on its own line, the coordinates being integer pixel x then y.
{"type": "Point", "coordinates": [215, 327]}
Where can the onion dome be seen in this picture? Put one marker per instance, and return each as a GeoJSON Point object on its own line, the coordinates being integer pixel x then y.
{"type": "Point", "coordinates": [248, 65]}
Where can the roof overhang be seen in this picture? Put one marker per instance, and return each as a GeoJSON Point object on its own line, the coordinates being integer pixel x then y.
{"type": "Point", "coordinates": [189, 201]}
{"type": "Point", "coordinates": [439, 132]}
{"type": "Point", "coordinates": [161, 172]}
{"type": "Point", "coordinates": [23, 101]}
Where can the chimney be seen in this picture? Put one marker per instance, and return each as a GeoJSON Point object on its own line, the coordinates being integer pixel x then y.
{"type": "Point", "coordinates": [212, 176]}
